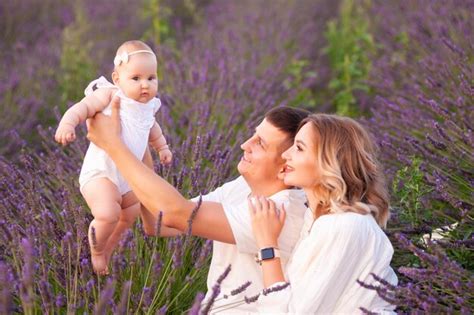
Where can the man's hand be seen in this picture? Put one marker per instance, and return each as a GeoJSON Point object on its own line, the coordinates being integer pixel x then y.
{"type": "Point", "coordinates": [105, 131]}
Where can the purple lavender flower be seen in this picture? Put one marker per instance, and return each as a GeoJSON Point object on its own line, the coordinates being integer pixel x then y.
{"type": "Point", "coordinates": [275, 288]}
{"type": "Point", "coordinates": [5, 295]}
{"type": "Point", "coordinates": [60, 300]}
{"type": "Point", "coordinates": [122, 307]}
{"type": "Point", "coordinates": [251, 299]}
{"type": "Point", "coordinates": [216, 289]}
{"type": "Point", "coordinates": [193, 215]}
{"type": "Point", "coordinates": [195, 309]}
{"type": "Point", "coordinates": [162, 310]}
{"type": "Point", "coordinates": [105, 297]}
{"type": "Point", "coordinates": [241, 288]}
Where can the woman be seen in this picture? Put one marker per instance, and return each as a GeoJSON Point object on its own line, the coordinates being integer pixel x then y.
{"type": "Point", "coordinates": [333, 161]}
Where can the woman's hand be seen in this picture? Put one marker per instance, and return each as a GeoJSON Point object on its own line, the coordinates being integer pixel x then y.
{"type": "Point", "coordinates": [104, 131]}
{"type": "Point", "coordinates": [267, 221]}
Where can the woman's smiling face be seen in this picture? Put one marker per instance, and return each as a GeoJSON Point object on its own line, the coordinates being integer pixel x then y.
{"type": "Point", "coordinates": [301, 161]}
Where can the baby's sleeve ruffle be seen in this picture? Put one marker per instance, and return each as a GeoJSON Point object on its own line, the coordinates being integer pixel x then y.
{"type": "Point", "coordinates": [99, 83]}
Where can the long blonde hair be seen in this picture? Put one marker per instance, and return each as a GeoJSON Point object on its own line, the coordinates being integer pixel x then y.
{"type": "Point", "coordinates": [349, 176]}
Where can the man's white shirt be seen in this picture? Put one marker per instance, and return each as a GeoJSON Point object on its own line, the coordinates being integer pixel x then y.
{"type": "Point", "coordinates": [233, 197]}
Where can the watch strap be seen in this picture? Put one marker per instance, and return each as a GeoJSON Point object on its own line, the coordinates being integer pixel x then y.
{"type": "Point", "coordinates": [267, 253]}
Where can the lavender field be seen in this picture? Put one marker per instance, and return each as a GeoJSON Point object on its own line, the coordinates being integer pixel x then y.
{"type": "Point", "coordinates": [405, 69]}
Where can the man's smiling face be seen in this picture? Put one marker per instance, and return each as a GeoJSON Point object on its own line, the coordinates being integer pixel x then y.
{"type": "Point", "coordinates": [262, 159]}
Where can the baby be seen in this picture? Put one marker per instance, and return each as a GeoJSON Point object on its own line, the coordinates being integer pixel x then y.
{"type": "Point", "coordinates": [114, 206]}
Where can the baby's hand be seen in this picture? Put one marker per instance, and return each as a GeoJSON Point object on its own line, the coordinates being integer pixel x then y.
{"type": "Point", "coordinates": [65, 134]}
{"type": "Point", "coordinates": [165, 156]}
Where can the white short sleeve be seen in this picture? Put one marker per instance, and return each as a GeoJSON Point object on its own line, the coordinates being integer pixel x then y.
{"type": "Point", "coordinates": [157, 105]}
{"type": "Point", "coordinates": [239, 220]}
{"type": "Point", "coordinates": [231, 192]}
{"type": "Point", "coordinates": [241, 225]}
{"type": "Point", "coordinates": [99, 83]}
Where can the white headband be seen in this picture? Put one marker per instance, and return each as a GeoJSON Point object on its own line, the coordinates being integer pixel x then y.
{"type": "Point", "coordinates": [123, 57]}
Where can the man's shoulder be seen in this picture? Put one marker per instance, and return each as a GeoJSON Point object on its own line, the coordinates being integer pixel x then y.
{"type": "Point", "coordinates": [237, 183]}
{"type": "Point", "coordinates": [232, 191]}
{"type": "Point", "coordinates": [294, 200]}
{"type": "Point", "coordinates": [295, 194]}
{"type": "Point", "coordinates": [235, 191]}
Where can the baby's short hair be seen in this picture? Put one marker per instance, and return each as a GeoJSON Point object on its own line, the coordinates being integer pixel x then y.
{"type": "Point", "coordinates": [128, 48]}
{"type": "Point", "coordinates": [132, 45]}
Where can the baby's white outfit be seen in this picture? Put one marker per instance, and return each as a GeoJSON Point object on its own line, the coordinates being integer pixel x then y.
{"type": "Point", "coordinates": [136, 120]}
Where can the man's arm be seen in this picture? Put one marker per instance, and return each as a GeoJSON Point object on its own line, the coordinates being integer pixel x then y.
{"type": "Point", "coordinates": [155, 193]}
{"type": "Point", "coordinates": [150, 221]}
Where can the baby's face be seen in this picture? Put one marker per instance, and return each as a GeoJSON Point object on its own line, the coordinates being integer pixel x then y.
{"type": "Point", "coordinates": [137, 78]}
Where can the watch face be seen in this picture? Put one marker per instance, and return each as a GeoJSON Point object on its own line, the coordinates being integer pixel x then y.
{"type": "Point", "coordinates": [267, 253]}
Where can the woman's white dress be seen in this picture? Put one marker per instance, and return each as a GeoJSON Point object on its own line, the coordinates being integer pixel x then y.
{"type": "Point", "coordinates": [332, 253]}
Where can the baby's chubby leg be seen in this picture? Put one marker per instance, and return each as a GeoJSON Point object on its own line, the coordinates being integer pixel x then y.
{"type": "Point", "coordinates": [104, 200]}
{"type": "Point", "coordinates": [129, 213]}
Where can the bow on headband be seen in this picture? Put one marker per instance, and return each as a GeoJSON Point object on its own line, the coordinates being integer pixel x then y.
{"type": "Point", "coordinates": [125, 56]}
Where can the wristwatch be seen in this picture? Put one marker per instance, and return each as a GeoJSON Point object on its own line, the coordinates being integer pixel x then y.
{"type": "Point", "coordinates": [267, 254]}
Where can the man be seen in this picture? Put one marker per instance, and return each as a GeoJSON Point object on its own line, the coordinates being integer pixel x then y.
{"type": "Point", "coordinates": [223, 215]}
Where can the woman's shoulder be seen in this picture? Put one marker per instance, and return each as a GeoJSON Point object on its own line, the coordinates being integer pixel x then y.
{"type": "Point", "coordinates": [347, 217]}
{"type": "Point", "coordinates": [346, 223]}
{"type": "Point", "coordinates": [350, 227]}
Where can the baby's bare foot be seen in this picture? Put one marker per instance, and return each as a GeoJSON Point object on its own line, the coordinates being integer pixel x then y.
{"type": "Point", "coordinates": [99, 264]}
{"type": "Point", "coordinates": [108, 256]}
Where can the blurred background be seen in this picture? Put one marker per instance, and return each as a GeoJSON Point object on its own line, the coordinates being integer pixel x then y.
{"type": "Point", "coordinates": [402, 68]}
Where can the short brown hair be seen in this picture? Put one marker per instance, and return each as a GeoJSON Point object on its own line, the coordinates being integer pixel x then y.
{"type": "Point", "coordinates": [287, 119]}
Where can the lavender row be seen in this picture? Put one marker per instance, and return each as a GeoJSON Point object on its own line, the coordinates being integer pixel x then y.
{"type": "Point", "coordinates": [216, 80]}
{"type": "Point", "coordinates": [422, 118]}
